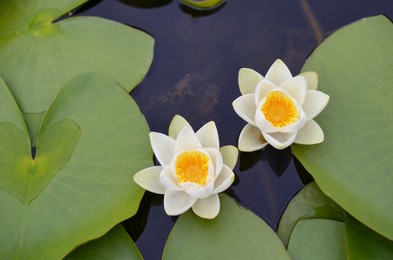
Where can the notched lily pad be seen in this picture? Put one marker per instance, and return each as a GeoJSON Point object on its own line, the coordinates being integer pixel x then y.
{"type": "Point", "coordinates": [93, 139]}
{"type": "Point", "coordinates": [38, 55]}
{"type": "Point", "coordinates": [25, 177]}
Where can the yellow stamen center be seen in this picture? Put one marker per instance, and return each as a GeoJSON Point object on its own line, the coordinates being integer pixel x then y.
{"type": "Point", "coordinates": [279, 109]}
{"type": "Point", "coordinates": [192, 166]}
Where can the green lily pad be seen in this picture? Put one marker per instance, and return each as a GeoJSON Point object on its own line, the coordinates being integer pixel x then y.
{"type": "Point", "coordinates": [309, 203]}
{"type": "Point", "coordinates": [37, 55]}
{"type": "Point", "coordinates": [116, 244]}
{"type": "Point", "coordinates": [235, 233]}
{"type": "Point", "coordinates": [353, 166]}
{"type": "Point", "coordinates": [363, 243]}
{"type": "Point", "coordinates": [92, 141]}
{"type": "Point", "coordinates": [31, 175]}
{"type": "Point", "coordinates": [318, 239]}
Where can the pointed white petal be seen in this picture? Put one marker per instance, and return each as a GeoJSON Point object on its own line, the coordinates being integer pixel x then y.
{"type": "Point", "coordinates": [314, 103]}
{"type": "Point", "coordinates": [177, 202]}
{"type": "Point", "coordinates": [149, 179]}
{"type": "Point", "coordinates": [311, 79]}
{"type": "Point", "coordinates": [207, 208]}
{"type": "Point", "coordinates": [168, 179]}
{"type": "Point", "coordinates": [311, 133]}
{"type": "Point", "coordinates": [263, 88]}
{"type": "Point", "coordinates": [280, 140]}
{"type": "Point", "coordinates": [176, 125]}
{"type": "Point", "coordinates": [248, 80]}
{"type": "Point", "coordinates": [251, 139]}
{"type": "Point", "coordinates": [197, 191]}
{"type": "Point", "coordinates": [296, 88]}
{"type": "Point", "coordinates": [224, 180]}
{"type": "Point", "coordinates": [186, 140]}
{"type": "Point", "coordinates": [278, 73]}
{"type": "Point", "coordinates": [208, 135]}
{"type": "Point", "coordinates": [245, 107]}
{"type": "Point", "coordinates": [163, 147]}
{"type": "Point", "coordinates": [216, 158]}
{"type": "Point", "coordinates": [229, 155]}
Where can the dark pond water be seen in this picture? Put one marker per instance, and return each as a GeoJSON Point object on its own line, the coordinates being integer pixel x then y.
{"type": "Point", "coordinates": [194, 74]}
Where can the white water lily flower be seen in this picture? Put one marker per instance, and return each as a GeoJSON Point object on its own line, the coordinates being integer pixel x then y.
{"type": "Point", "coordinates": [279, 108]}
{"type": "Point", "coordinates": [194, 169]}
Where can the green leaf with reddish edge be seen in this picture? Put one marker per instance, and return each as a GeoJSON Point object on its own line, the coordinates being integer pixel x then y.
{"type": "Point", "coordinates": [235, 233]}
{"type": "Point", "coordinates": [37, 56]}
{"type": "Point", "coordinates": [116, 244]}
{"type": "Point", "coordinates": [353, 165]}
{"type": "Point", "coordinates": [94, 190]}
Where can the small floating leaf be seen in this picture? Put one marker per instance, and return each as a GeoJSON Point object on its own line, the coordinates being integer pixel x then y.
{"type": "Point", "coordinates": [203, 4]}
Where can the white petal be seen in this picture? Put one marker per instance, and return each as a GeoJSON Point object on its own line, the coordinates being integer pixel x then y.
{"type": "Point", "coordinates": [216, 158]}
{"type": "Point", "coordinates": [207, 208]}
{"type": "Point", "coordinates": [314, 103]}
{"type": "Point", "coordinates": [224, 180]}
{"type": "Point", "coordinates": [168, 179]}
{"type": "Point", "coordinates": [149, 179]}
{"type": "Point", "coordinates": [186, 140]}
{"type": "Point", "coordinates": [311, 133]}
{"type": "Point", "coordinates": [248, 80]}
{"type": "Point", "coordinates": [263, 88]}
{"type": "Point", "coordinates": [176, 125]}
{"type": "Point", "coordinates": [278, 73]}
{"type": "Point", "coordinates": [163, 147]}
{"type": "Point", "coordinates": [208, 135]}
{"type": "Point", "coordinates": [177, 202]}
{"type": "Point", "coordinates": [197, 191]}
{"type": "Point", "coordinates": [245, 107]}
{"type": "Point", "coordinates": [280, 140]}
{"type": "Point", "coordinates": [229, 155]}
{"type": "Point", "coordinates": [311, 78]}
{"type": "Point", "coordinates": [251, 139]}
{"type": "Point", "coordinates": [296, 88]}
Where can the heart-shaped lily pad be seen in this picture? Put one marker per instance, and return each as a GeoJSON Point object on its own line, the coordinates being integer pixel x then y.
{"type": "Point", "coordinates": [24, 176]}
{"type": "Point", "coordinates": [92, 141]}
{"type": "Point", "coordinates": [353, 166]}
{"type": "Point", "coordinates": [37, 55]}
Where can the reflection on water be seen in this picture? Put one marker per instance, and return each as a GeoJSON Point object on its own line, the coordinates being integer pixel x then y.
{"type": "Point", "coordinates": [194, 73]}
